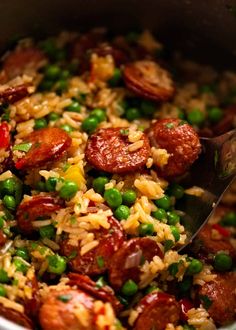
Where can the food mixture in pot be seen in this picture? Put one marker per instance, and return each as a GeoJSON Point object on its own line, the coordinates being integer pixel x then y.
{"type": "Point", "coordinates": [96, 132]}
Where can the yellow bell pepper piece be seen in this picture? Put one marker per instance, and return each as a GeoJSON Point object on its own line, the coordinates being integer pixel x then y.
{"type": "Point", "coordinates": [74, 173]}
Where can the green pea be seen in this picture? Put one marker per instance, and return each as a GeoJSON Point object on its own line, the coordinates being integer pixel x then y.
{"type": "Point", "coordinates": [222, 262]}
{"type": "Point", "coordinates": [52, 72]}
{"type": "Point", "coordinates": [20, 266]}
{"type": "Point", "coordinates": [9, 202]}
{"type": "Point", "coordinates": [49, 47]}
{"type": "Point", "coordinates": [188, 327]}
{"type": "Point", "coordinates": [176, 190]}
{"type": "Point", "coordinates": [99, 114]}
{"type": "Point", "coordinates": [45, 85]}
{"type": "Point", "coordinates": [113, 197]}
{"type": "Point", "coordinates": [51, 183]}
{"type": "Point", "coordinates": [116, 79]}
{"type": "Point", "coordinates": [195, 267]}
{"type": "Point", "coordinates": [53, 116]}
{"type": "Point", "coordinates": [132, 114]}
{"type": "Point", "coordinates": [2, 220]}
{"type": "Point", "coordinates": [41, 186]}
{"type": "Point", "coordinates": [175, 233]}
{"type": "Point", "coordinates": [196, 117]}
{"type": "Point", "coordinates": [206, 89]}
{"type": "Point", "coordinates": [68, 190]}
{"type": "Point", "coordinates": [89, 124]}
{"type": "Point", "coordinates": [23, 253]}
{"type": "Point", "coordinates": [229, 219]}
{"type": "Point", "coordinates": [129, 288]}
{"type": "Point", "coordinates": [122, 212]}
{"type": "Point", "coordinates": [129, 197]}
{"type": "Point", "coordinates": [67, 128]}
{"type": "Point", "coordinates": [163, 202]}
{"type": "Point", "coordinates": [146, 229]}
{"type": "Point", "coordinates": [3, 291]}
{"type": "Point", "coordinates": [47, 231]}
{"type": "Point", "coordinates": [160, 214]}
{"type": "Point", "coordinates": [65, 74]}
{"type": "Point", "coordinates": [61, 86]}
{"type": "Point", "coordinates": [215, 114]}
{"type": "Point", "coordinates": [172, 218]}
{"type": "Point", "coordinates": [148, 108]}
{"type": "Point", "coordinates": [40, 123]}
{"type": "Point", "coordinates": [99, 184]}
{"type": "Point", "coordinates": [56, 264]}
{"type": "Point", "coordinates": [185, 285]}
{"type": "Point", "coordinates": [74, 107]}
{"type": "Point", "coordinates": [3, 276]}
{"type": "Point", "coordinates": [173, 269]}
{"type": "Point", "coordinates": [9, 186]}
{"type": "Point", "coordinates": [152, 288]}
{"type": "Point", "coordinates": [168, 245]}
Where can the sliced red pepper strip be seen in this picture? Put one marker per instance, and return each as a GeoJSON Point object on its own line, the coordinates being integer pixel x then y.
{"type": "Point", "coordinates": [221, 230]}
{"type": "Point", "coordinates": [4, 135]}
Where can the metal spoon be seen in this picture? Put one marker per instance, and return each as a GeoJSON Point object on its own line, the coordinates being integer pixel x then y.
{"type": "Point", "coordinates": [213, 172]}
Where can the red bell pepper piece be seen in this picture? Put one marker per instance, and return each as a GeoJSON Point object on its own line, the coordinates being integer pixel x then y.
{"type": "Point", "coordinates": [221, 230]}
{"type": "Point", "coordinates": [4, 135]}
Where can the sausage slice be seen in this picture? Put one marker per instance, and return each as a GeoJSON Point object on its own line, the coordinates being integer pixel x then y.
{"type": "Point", "coordinates": [97, 260]}
{"type": "Point", "coordinates": [108, 150]}
{"type": "Point", "coordinates": [125, 263]}
{"type": "Point", "coordinates": [147, 79]}
{"type": "Point", "coordinates": [37, 207]}
{"type": "Point", "coordinates": [16, 317]}
{"type": "Point", "coordinates": [220, 296]}
{"type": "Point", "coordinates": [181, 142]}
{"type": "Point", "coordinates": [61, 310]}
{"type": "Point", "coordinates": [156, 310]}
{"type": "Point", "coordinates": [204, 245]}
{"type": "Point", "coordinates": [21, 60]}
{"type": "Point", "coordinates": [85, 284]}
{"type": "Point", "coordinates": [14, 94]}
{"type": "Point", "coordinates": [47, 144]}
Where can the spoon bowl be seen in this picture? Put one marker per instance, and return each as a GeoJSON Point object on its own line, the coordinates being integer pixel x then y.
{"type": "Point", "coordinates": [213, 172]}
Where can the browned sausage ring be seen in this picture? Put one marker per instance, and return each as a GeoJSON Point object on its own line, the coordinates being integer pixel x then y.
{"type": "Point", "coordinates": [156, 310]}
{"type": "Point", "coordinates": [108, 150]}
{"type": "Point", "coordinates": [96, 261]}
{"type": "Point", "coordinates": [181, 142]}
{"type": "Point", "coordinates": [125, 263]}
{"type": "Point", "coordinates": [48, 144]}
{"type": "Point", "coordinates": [147, 79]}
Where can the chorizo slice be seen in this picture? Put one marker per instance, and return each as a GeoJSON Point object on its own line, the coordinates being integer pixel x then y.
{"type": "Point", "coordinates": [156, 310]}
{"type": "Point", "coordinates": [147, 79]}
{"type": "Point", "coordinates": [23, 60]}
{"type": "Point", "coordinates": [181, 142]}
{"type": "Point", "coordinates": [67, 309]}
{"type": "Point", "coordinates": [206, 246]}
{"type": "Point", "coordinates": [125, 263]}
{"type": "Point", "coordinates": [96, 261]}
{"type": "Point", "coordinates": [219, 297]}
{"type": "Point", "coordinates": [16, 317]}
{"type": "Point", "coordinates": [14, 94]}
{"type": "Point", "coordinates": [108, 150]}
{"type": "Point", "coordinates": [37, 207]}
{"type": "Point", "coordinates": [85, 284]}
{"type": "Point", "coordinates": [47, 144]}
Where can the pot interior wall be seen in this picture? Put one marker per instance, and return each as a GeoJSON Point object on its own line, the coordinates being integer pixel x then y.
{"type": "Point", "coordinates": [203, 29]}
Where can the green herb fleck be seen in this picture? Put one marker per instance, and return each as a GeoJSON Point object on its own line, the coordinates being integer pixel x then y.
{"type": "Point", "coordinates": [72, 255]}
{"type": "Point", "coordinates": [64, 297]}
{"type": "Point", "coordinates": [100, 282]}
{"type": "Point", "coordinates": [170, 125]}
{"type": "Point", "coordinates": [100, 261]}
{"type": "Point", "coordinates": [124, 131]}
{"type": "Point", "coordinates": [73, 220]}
{"type": "Point", "coordinates": [23, 147]}
{"type": "Point", "coordinates": [206, 301]}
